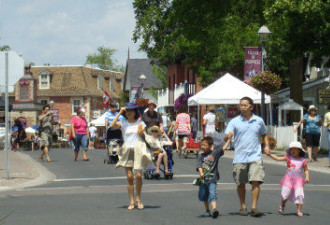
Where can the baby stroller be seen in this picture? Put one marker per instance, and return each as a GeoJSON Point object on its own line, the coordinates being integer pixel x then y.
{"type": "Point", "coordinates": [149, 173]}
{"type": "Point", "coordinates": [112, 136]}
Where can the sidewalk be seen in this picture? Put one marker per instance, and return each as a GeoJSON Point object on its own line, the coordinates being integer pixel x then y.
{"type": "Point", "coordinates": [322, 164]}
{"type": "Point", "coordinates": [23, 171]}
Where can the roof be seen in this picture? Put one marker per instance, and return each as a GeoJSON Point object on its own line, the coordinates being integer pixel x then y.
{"type": "Point", "coordinates": [134, 69]}
{"type": "Point", "coordinates": [74, 80]}
{"type": "Point", "coordinates": [306, 85]}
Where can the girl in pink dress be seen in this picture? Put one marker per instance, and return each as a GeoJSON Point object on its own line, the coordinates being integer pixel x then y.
{"type": "Point", "coordinates": [293, 182]}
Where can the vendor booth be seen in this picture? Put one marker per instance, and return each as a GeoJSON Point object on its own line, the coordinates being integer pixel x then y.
{"type": "Point", "coordinates": [227, 90]}
{"type": "Point", "coordinates": [99, 122]}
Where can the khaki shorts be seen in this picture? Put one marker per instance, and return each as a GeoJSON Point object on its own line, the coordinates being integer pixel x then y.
{"type": "Point", "coordinates": [248, 172]}
{"type": "Point", "coordinates": [45, 140]}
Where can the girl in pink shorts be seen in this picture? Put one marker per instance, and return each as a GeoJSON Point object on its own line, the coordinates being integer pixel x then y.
{"type": "Point", "coordinates": [293, 182]}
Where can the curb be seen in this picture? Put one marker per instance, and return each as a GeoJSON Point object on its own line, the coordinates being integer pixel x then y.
{"type": "Point", "coordinates": [44, 174]}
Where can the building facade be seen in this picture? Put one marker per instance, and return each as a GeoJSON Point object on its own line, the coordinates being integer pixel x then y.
{"type": "Point", "coordinates": [65, 88]}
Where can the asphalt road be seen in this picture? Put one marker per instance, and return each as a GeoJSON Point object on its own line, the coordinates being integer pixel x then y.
{"type": "Point", "coordinates": [95, 193]}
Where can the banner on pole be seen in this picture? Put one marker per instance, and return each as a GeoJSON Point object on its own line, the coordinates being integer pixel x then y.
{"type": "Point", "coordinates": [135, 93]}
{"type": "Point", "coordinates": [252, 62]}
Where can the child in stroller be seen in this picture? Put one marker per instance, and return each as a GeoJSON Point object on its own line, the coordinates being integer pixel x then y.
{"type": "Point", "coordinates": [114, 138]}
{"type": "Point", "coordinates": [162, 153]}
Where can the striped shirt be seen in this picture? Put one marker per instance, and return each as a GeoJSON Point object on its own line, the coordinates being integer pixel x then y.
{"type": "Point", "coordinates": [110, 116]}
{"type": "Point", "coordinates": [183, 120]}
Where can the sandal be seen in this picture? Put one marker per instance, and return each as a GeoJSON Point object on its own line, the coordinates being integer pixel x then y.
{"type": "Point", "coordinates": [41, 159]}
{"type": "Point", "coordinates": [49, 160]}
{"type": "Point", "coordinates": [85, 159]}
{"type": "Point", "coordinates": [299, 213]}
{"type": "Point", "coordinates": [139, 204]}
{"type": "Point", "coordinates": [131, 206]}
{"type": "Point", "coordinates": [280, 209]}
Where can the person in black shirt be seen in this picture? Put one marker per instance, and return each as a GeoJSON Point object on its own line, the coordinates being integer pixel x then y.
{"type": "Point", "coordinates": [152, 117]}
{"type": "Point", "coordinates": [207, 166]}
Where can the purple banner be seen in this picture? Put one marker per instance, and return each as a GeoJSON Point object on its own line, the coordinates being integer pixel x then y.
{"type": "Point", "coordinates": [55, 115]}
{"type": "Point", "coordinates": [252, 62]}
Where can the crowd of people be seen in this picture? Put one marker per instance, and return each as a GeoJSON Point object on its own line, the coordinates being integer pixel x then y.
{"type": "Point", "coordinates": [137, 137]}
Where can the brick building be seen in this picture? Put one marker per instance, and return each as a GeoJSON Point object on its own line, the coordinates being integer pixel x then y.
{"type": "Point", "coordinates": [68, 88]}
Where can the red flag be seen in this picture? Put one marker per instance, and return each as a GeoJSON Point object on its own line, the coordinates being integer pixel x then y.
{"type": "Point", "coordinates": [106, 98]}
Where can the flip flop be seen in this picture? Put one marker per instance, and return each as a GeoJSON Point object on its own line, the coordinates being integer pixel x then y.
{"type": "Point", "coordinates": [131, 206]}
{"type": "Point", "coordinates": [140, 205]}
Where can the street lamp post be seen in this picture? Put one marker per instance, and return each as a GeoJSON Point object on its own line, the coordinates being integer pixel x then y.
{"type": "Point", "coordinates": [51, 104]}
{"type": "Point", "coordinates": [263, 34]}
{"type": "Point", "coordinates": [142, 78]}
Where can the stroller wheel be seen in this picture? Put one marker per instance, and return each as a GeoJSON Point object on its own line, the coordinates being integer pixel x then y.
{"type": "Point", "coordinates": [146, 175]}
{"type": "Point", "coordinates": [156, 176]}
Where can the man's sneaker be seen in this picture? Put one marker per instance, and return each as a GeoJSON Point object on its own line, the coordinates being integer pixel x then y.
{"type": "Point", "coordinates": [256, 213]}
{"type": "Point", "coordinates": [243, 212]}
{"type": "Point", "coordinates": [215, 213]}
{"type": "Point", "coordinates": [207, 213]}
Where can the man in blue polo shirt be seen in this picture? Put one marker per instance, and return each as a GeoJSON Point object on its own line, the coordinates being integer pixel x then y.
{"type": "Point", "coordinates": [247, 164]}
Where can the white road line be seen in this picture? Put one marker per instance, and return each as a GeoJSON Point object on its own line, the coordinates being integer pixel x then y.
{"type": "Point", "coordinates": [115, 178]}
{"type": "Point", "coordinates": [178, 176]}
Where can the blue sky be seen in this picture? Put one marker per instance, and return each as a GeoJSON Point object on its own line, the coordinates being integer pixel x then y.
{"type": "Point", "coordinates": [65, 32]}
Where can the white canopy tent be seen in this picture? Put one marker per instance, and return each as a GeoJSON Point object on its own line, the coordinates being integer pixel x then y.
{"type": "Point", "coordinates": [226, 90]}
{"type": "Point", "coordinates": [99, 122]}
{"type": "Point", "coordinates": [30, 130]}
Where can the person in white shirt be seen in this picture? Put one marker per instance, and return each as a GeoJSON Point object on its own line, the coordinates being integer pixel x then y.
{"type": "Point", "coordinates": [92, 135]}
{"type": "Point", "coordinates": [166, 122]}
{"type": "Point", "coordinates": [209, 122]}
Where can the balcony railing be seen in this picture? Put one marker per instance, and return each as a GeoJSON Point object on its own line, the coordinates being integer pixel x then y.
{"type": "Point", "coordinates": [167, 97]}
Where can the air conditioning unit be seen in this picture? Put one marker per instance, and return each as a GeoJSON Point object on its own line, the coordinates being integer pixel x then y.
{"type": "Point", "coordinates": [96, 114]}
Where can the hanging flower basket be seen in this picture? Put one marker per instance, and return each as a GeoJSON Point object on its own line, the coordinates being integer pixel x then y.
{"type": "Point", "coordinates": [266, 81]}
{"type": "Point", "coordinates": [142, 102]}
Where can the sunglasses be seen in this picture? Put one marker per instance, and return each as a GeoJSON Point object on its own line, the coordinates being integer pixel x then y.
{"type": "Point", "coordinates": [130, 110]}
{"type": "Point", "coordinates": [154, 131]}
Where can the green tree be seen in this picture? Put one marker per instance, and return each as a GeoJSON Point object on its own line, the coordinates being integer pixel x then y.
{"type": "Point", "coordinates": [299, 27]}
{"type": "Point", "coordinates": [4, 48]}
{"type": "Point", "coordinates": [104, 58]}
{"type": "Point", "coordinates": [207, 34]}
{"type": "Point", "coordinates": [160, 72]}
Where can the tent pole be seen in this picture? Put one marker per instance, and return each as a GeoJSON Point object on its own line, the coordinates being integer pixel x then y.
{"type": "Point", "coordinates": [198, 117]}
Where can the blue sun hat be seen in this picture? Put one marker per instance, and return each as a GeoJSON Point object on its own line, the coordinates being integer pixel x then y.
{"type": "Point", "coordinates": [295, 144]}
{"type": "Point", "coordinates": [131, 106]}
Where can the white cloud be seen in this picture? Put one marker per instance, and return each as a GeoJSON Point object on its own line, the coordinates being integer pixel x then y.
{"type": "Point", "coordinates": [59, 32]}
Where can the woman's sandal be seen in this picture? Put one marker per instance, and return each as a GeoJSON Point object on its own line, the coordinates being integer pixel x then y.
{"type": "Point", "coordinates": [48, 160]}
{"type": "Point", "coordinates": [280, 209]}
{"type": "Point", "coordinates": [131, 206]}
{"type": "Point", "coordinates": [299, 213]}
{"type": "Point", "coordinates": [139, 204]}
{"type": "Point", "coordinates": [41, 159]}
